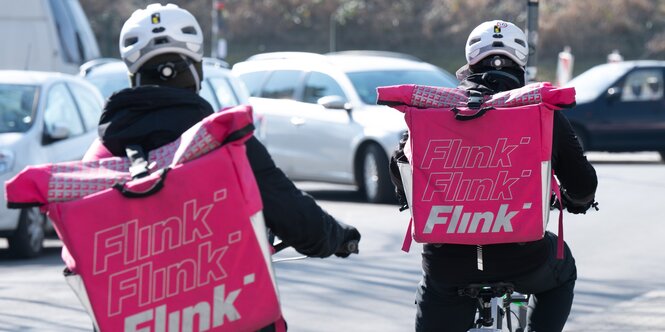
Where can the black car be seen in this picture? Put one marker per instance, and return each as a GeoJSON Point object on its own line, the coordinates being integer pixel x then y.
{"type": "Point", "coordinates": [620, 107]}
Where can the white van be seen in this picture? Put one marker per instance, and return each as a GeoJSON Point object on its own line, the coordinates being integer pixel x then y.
{"type": "Point", "coordinates": [45, 35]}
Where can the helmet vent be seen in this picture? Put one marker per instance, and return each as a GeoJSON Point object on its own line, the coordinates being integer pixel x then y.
{"type": "Point", "coordinates": [158, 30]}
{"type": "Point", "coordinates": [163, 40]}
{"type": "Point", "coordinates": [497, 44]}
{"type": "Point", "coordinates": [190, 30]}
{"type": "Point", "coordinates": [131, 41]}
{"type": "Point", "coordinates": [520, 41]}
{"type": "Point", "coordinates": [473, 41]}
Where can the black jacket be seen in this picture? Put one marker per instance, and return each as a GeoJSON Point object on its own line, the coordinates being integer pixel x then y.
{"type": "Point", "coordinates": [151, 116]}
{"type": "Point", "coordinates": [457, 263]}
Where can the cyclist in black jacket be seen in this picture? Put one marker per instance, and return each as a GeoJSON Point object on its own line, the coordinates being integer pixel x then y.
{"type": "Point", "coordinates": [496, 55]}
{"type": "Point", "coordinates": [162, 47]}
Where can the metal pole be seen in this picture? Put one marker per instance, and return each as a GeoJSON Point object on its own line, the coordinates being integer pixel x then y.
{"type": "Point", "coordinates": [332, 31]}
{"type": "Point", "coordinates": [532, 38]}
{"type": "Point", "coordinates": [214, 29]}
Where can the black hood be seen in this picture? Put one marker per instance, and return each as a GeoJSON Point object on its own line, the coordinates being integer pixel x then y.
{"type": "Point", "coordinates": [149, 116]}
{"type": "Point", "coordinates": [490, 81]}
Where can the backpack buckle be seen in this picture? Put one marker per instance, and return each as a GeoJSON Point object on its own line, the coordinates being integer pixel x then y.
{"type": "Point", "coordinates": [475, 100]}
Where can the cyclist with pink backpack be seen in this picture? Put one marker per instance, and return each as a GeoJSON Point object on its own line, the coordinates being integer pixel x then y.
{"type": "Point", "coordinates": [162, 46]}
{"type": "Point", "coordinates": [496, 54]}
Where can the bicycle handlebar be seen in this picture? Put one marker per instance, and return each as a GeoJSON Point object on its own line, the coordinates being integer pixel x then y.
{"type": "Point", "coordinates": [350, 247]}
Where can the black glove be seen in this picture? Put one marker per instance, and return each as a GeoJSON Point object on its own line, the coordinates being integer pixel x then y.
{"type": "Point", "coordinates": [577, 206]}
{"type": "Point", "coordinates": [350, 244]}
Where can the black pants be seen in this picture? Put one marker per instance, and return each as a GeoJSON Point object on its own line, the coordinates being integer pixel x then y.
{"type": "Point", "coordinates": [440, 308]}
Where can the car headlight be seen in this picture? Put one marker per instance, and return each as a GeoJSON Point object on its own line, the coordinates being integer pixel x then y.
{"type": "Point", "coordinates": [6, 160]}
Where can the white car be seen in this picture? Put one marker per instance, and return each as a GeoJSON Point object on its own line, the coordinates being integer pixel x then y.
{"type": "Point", "coordinates": [45, 117]}
{"type": "Point", "coordinates": [318, 114]}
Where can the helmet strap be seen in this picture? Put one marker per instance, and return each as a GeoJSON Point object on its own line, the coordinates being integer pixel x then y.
{"type": "Point", "coordinates": [172, 70]}
{"type": "Point", "coordinates": [498, 62]}
{"type": "Point", "coordinates": [195, 73]}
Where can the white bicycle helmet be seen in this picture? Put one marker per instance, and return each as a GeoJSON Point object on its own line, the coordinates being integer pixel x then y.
{"type": "Point", "coordinates": [158, 30]}
{"type": "Point", "coordinates": [497, 38]}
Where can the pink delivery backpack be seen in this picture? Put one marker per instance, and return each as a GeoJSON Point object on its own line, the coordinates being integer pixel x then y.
{"type": "Point", "coordinates": [182, 249]}
{"type": "Point", "coordinates": [479, 166]}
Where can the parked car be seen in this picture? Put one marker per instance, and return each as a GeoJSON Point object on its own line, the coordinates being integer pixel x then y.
{"type": "Point", "coordinates": [219, 87]}
{"type": "Point", "coordinates": [319, 118]}
{"type": "Point", "coordinates": [620, 107]}
{"type": "Point", "coordinates": [45, 117]}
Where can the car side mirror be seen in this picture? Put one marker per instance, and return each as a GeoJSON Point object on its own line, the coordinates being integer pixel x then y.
{"type": "Point", "coordinates": [613, 94]}
{"type": "Point", "coordinates": [334, 102]}
{"type": "Point", "coordinates": [55, 132]}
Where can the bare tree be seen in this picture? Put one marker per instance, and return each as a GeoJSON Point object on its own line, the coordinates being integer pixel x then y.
{"type": "Point", "coordinates": [433, 30]}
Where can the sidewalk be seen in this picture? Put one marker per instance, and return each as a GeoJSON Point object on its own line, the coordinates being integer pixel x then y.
{"type": "Point", "coordinates": [644, 313]}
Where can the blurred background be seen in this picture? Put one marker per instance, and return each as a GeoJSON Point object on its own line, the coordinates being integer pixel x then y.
{"type": "Point", "coordinates": [434, 31]}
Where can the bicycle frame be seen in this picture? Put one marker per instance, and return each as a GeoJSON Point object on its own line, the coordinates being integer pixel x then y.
{"type": "Point", "coordinates": [491, 313]}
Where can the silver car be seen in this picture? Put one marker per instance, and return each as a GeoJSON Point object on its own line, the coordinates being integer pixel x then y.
{"type": "Point", "coordinates": [219, 87]}
{"type": "Point", "coordinates": [44, 117]}
{"type": "Point", "coordinates": [318, 114]}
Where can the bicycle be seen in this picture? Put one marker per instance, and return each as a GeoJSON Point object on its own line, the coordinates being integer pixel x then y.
{"type": "Point", "coordinates": [490, 312]}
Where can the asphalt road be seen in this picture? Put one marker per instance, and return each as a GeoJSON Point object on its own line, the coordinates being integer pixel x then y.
{"type": "Point", "coordinates": [618, 251]}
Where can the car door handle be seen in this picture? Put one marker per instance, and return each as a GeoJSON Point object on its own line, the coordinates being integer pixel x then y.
{"type": "Point", "coordinates": [297, 121]}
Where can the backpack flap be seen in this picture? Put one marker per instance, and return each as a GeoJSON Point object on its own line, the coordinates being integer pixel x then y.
{"type": "Point", "coordinates": [60, 182]}
{"type": "Point", "coordinates": [535, 93]}
{"type": "Point", "coordinates": [420, 96]}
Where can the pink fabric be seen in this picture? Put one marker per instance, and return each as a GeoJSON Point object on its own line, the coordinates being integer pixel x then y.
{"type": "Point", "coordinates": [481, 181]}
{"type": "Point", "coordinates": [280, 325]}
{"type": "Point", "coordinates": [185, 257]}
{"type": "Point", "coordinates": [99, 170]}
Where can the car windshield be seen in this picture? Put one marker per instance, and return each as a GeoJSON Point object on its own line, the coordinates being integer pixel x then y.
{"type": "Point", "coordinates": [366, 82]}
{"type": "Point", "coordinates": [591, 83]}
{"type": "Point", "coordinates": [17, 107]}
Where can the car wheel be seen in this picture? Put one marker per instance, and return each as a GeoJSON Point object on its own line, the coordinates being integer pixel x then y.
{"type": "Point", "coordinates": [374, 177]}
{"type": "Point", "coordinates": [28, 239]}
